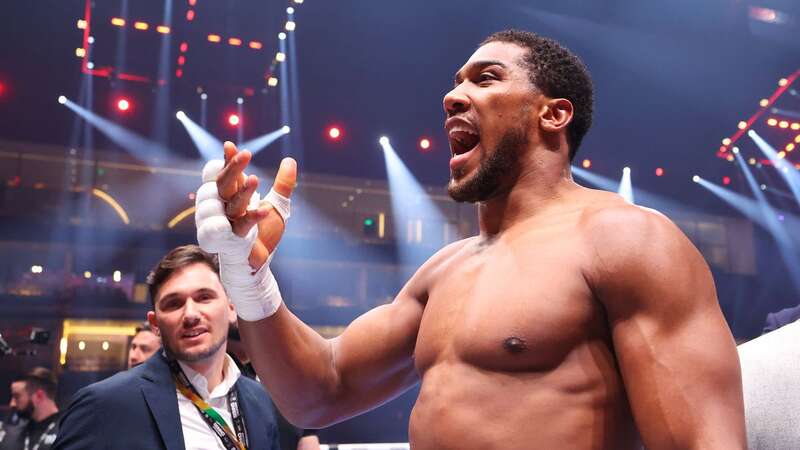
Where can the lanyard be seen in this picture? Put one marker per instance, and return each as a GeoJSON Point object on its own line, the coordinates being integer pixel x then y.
{"type": "Point", "coordinates": [41, 437]}
{"type": "Point", "coordinates": [231, 440]}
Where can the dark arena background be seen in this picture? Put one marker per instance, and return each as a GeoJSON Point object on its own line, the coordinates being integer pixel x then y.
{"type": "Point", "coordinates": [110, 108]}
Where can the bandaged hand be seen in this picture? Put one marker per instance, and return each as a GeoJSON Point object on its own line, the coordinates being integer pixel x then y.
{"type": "Point", "coordinates": [233, 222]}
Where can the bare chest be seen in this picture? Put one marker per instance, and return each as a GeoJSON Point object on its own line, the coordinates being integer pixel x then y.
{"type": "Point", "coordinates": [517, 306]}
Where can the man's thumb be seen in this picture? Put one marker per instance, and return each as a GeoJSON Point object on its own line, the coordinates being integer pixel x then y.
{"type": "Point", "coordinates": [286, 179]}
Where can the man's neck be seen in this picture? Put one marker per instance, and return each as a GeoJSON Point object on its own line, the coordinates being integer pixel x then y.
{"type": "Point", "coordinates": [44, 410]}
{"type": "Point", "coordinates": [212, 368]}
{"type": "Point", "coordinates": [532, 194]}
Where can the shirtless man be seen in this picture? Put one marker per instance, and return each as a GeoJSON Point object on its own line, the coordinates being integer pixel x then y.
{"type": "Point", "coordinates": [572, 321]}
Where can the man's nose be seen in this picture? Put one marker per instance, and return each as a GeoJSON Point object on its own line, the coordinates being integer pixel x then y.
{"type": "Point", "coordinates": [456, 101]}
{"type": "Point", "coordinates": [191, 314]}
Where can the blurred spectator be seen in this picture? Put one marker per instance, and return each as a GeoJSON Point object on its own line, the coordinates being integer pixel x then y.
{"type": "Point", "coordinates": [144, 344]}
{"type": "Point", "coordinates": [778, 319]}
{"type": "Point", "coordinates": [33, 400]}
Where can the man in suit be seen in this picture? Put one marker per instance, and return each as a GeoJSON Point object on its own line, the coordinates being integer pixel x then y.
{"type": "Point", "coordinates": [189, 396]}
{"type": "Point", "coordinates": [770, 370]}
{"type": "Point", "coordinates": [780, 318]}
{"type": "Point", "coordinates": [144, 344]}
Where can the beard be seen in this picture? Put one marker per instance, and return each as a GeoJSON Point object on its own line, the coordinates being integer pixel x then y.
{"type": "Point", "coordinates": [23, 414]}
{"type": "Point", "coordinates": [493, 171]}
{"type": "Point", "coordinates": [193, 356]}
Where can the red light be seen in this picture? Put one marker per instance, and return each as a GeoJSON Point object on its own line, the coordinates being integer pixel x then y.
{"type": "Point", "coordinates": [726, 180]}
{"type": "Point", "coordinates": [235, 41]}
{"type": "Point", "coordinates": [123, 104]}
{"type": "Point", "coordinates": [425, 144]}
{"type": "Point", "coordinates": [190, 15]}
{"type": "Point", "coordinates": [234, 120]}
{"type": "Point", "coordinates": [181, 60]}
{"type": "Point", "coordinates": [2, 89]}
{"type": "Point", "coordinates": [192, 2]}
{"type": "Point", "coordinates": [659, 172]}
{"type": "Point", "coordinates": [184, 47]}
{"type": "Point", "coordinates": [179, 73]}
{"type": "Point", "coordinates": [334, 133]}
{"type": "Point", "coordinates": [587, 163]}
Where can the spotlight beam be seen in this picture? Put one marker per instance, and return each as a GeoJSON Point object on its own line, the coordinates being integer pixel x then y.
{"type": "Point", "coordinates": [137, 145]}
{"type": "Point", "coordinates": [261, 142]}
{"type": "Point", "coordinates": [625, 186]}
{"type": "Point", "coordinates": [596, 180]}
{"type": "Point", "coordinates": [209, 146]}
{"type": "Point", "coordinates": [785, 245]}
{"type": "Point", "coordinates": [784, 168]}
{"type": "Point", "coordinates": [413, 211]}
{"type": "Point", "coordinates": [643, 198]}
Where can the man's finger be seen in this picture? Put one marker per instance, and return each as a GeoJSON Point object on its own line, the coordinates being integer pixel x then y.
{"type": "Point", "coordinates": [229, 149]}
{"type": "Point", "coordinates": [237, 207]}
{"type": "Point", "coordinates": [231, 179]}
{"type": "Point", "coordinates": [243, 224]}
{"type": "Point", "coordinates": [286, 178]}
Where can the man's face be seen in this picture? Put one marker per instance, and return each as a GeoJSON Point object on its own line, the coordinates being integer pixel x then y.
{"type": "Point", "coordinates": [192, 314]}
{"type": "Point", "coordinates": [143, 345]}
{"type": "Point", "coordinates": [21, 399]}
{"type": "Point", "coordinates": [491, 112]}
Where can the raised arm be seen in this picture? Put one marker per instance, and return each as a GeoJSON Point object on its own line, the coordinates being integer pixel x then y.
{"type": "Point", "coordinates": [314, 381]}
{"type": "Point", "coordinates": [317, 382]}
{"type": "Point", "coordinates": [676, 354]}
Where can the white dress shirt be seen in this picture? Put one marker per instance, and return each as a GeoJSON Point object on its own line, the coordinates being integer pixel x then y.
{"type": "Point", "coordinates": [197, 435]}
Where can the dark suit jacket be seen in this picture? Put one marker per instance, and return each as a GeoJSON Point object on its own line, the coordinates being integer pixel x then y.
{"type": "Point", "coordinates": [783, 317]}
{"type": "Point", "coordinates": [138, 409]}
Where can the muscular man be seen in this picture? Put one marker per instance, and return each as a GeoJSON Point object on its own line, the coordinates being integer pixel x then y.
{"type": "Point", "coordinates": [572, 321]}
{"type": "Point", "coordinates": [144, 344]}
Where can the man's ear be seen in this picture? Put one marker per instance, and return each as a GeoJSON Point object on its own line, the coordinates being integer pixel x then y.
{"type": "Point", "coordinates": [556, 114]}
{"type": "Point", "coordinates": [151, 319]}
{"type": "Point", "coordinates": [38, 396]}
{"type": "Point", "coordinates": [231, 312]}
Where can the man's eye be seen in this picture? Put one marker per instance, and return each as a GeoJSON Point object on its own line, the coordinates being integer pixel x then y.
{"type": "Point", "coordinates": [486, 77]}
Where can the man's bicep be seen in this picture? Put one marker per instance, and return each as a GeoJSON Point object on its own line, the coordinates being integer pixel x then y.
{"type": "Point", "coordinates": [675, 352]}
{"type": "Point", "coordinates": [376, 350]}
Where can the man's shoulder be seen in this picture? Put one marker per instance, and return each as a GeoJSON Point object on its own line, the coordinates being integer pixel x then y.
{"type": "Point", "coordinates": [609, 217]}
{"type": "Point", "coordinates": [622, 232]}
{"type": "Point", "coordinates": [117, 387]}
{"type": "Point", "coordinates": [428, 270]}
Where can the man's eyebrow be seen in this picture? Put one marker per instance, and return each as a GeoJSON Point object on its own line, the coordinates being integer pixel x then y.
{"type": "Point", "coordinates": [477, 65]}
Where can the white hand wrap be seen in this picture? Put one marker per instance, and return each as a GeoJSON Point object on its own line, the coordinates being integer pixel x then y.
{"type": "Point", "coordinates": [255, 295]}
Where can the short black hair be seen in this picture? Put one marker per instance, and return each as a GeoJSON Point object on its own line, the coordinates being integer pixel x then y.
{"type": "Point", "coordinates": [40, 378]}
{"type": "Point", "coordinates": [558, 73]}
{"type": "Point", "coordinates": [143, 327]}
{"type": "Point", "coordinates": [175, 260]}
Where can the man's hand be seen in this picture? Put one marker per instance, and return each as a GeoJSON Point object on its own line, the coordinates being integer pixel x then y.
{"type": "Point", "coordinates": [228, 210]}
{"type": "Point", "coordinates": [236, 190]}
